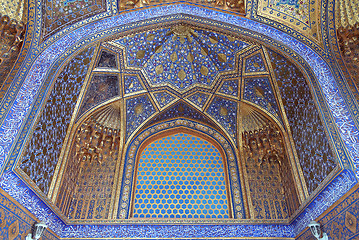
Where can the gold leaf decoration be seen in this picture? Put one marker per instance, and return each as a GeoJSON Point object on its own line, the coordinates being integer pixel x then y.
{"type": "Point", "coordinates": [190, 57]}
{"type": "Point", "coordinates": [213, 39]}
{"type": "Point", "coordinates": [140, 54]}
{"type": "Point", "coordinates": [181, 74]}
{"type": "Point", "coordinates": [174, 57]}
{"type": "Point", "coordinates": [222, 57]}
{"type": "Point", "coordinates": [204, 70]}
{"type": "Point", "coordinates": [223, 111]}
{"type": "Point", "coordinates": [158, 49]}
{"type": "Point", "coordinates": [204, 51]}
{"type": "Point", "coordinates": [138, 109]}
{"type": "Point", "coordinates": [150, 37]}
{"type": "Point", "coordinates": [159, 69]}
{"type": "Point", "coordinates": [259, 92]}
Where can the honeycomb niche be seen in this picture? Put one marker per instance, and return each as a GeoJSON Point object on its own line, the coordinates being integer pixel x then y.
{"type": "Point", "coordinates": [180, 176]}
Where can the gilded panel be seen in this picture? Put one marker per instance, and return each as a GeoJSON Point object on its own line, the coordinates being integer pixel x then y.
{"type": "Point", "coordinates": [300, 15]}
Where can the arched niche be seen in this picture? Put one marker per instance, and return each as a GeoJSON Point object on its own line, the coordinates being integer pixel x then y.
{"type": "Point", "coordinates": [181, 174]}
{"type": "Point", "coordinates": [166, 128]}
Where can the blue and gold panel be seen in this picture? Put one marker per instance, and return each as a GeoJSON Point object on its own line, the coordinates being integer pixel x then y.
{"type": "Point", "coordinates": [163, 98]}
{"type": "Point", "coordinates": [181, 55]}
{"type": "Point", "coordinates": [260, 92]}
{"type": "Point", "coordinates": [313, 149]}
{"type": "Point", "coordinates": [199, 99]}
{"type": "Point", "coordinates": [107, 60]}
{"type": "Point", "coordinates": [224, 111]}
{"type": "Point", "coordinates": [254, 64]}
{"type": "Point", "coordinates": [138, 110]}
{"type": "Point", "coordinates": [180, 176]}
{"type": "Point", "coordinates": [44, 147]}
{"type": "Point", "coordinates": [182, 110]}
{"type": "Point", "coordinates": [132, 84]}
{"type": "Point", "coordinates": [229, 87]}
{"type": "Point", "coordinates": [102, 88]}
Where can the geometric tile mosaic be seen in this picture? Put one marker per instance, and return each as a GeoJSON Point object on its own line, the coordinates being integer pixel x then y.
{"type": "Point", "coordinates": [180, 176]}
{"type": "Point", "coordinates": [181, 55]}
{"type": "Point", "coordinates": [163, 98]}
{"type": "Point", "coordinates": [314, 152]}
{"type": "Point", "coordinates": [260, 92]}
{"type": "Point", "coordinates": [229, 87]}
{"type": "Point", "coordinates": [132, 84]}
{"type": "Point", "coordinates": [224, 111]}
{"type": "Point", "coordinates": [137, 111]}
{"type": "Point", "coordinates": [255, 64]}
{"type": "Point", "coordinates": [199, 99]}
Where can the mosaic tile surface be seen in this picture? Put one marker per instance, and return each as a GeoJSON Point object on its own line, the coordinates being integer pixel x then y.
{"type": "Point", "coordinates": [255, 64]}
{"type": "Point", "coordinates": [181, 56]}
{"type": "Point", "coordinates": [199, 99]}
{"type": "Point", "coordinates": [44, 148]}
{"type": "Point", "coordinates": [138, 110]}
{"type": "Point", "coordinates": [58, 14]}
{"type": "Point", "coordinates": [229, 87]}
{"type": "Point", "coordinates": [259, 91]}
{"type": "Point", "coordinates": [225, 113]}
{"type": "Point", "coordinates": [132, 84]}
{"type": "Point", "coordinates": [182, 109]}
{"type": "Point", "coordinates": [180, 176]}
{"type": "Point", "coordinates": [102, 88]}
{"type": "Point", "coordinates": [314, 152]}
{"type": "Point", "coordinates": [163, 98]}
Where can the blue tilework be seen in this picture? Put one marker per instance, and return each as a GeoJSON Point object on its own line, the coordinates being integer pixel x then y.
{"type": "Point", "coordinates": [181, 61]}
{"type": "Point", "coordinates": [259, 91]}
{"type": "Point", "coordinates": [102, 88]}
{"type": "Point", "coordinates": [132, 84]}
{"type": "Point", "coordinates": [180, 176]}
{"type": "Point", "coordinates": [180, 110]}
{"type": "Point", "coordinates": [199, 99]}
{"type": "Point", "coordinates": [17, 112]}
{"type": "Point", "coordinates": [32, 82]}
{"type": "Point", "coordinates": [313, 149]}
{"type": "Point", "coordinates": [225, 112]}
{"type": "Point", "coordinates": [138, 110]}
{"type": "Point", "coordinates": [44, 148]}
{"type": "Point", "coordinates": [255, 64]}
{"type": "Point", "coordinates": [229, 87]}
{"type": "Point", "coordinates": [163, 98]}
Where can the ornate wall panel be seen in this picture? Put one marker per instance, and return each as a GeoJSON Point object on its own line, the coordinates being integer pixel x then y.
{"type": "Point", "coordinates": [270, 178]}
{"type": "Point", "coordinates": [86, 191]}
{"type": "Point", "coordinates": [314, 151]}
{"type": "Point", "coordinates": [59, 14]}
{"type": "Point", "coordinates": [16, 221]}
{"type": "Point", "coordinates": [341, 220]}
{"type": "Point", "coordinates": [301, 15]}
{"type": "Point", "coordinates": [132, 152]}
{"type": "Point", "coordinates": [43, 149]}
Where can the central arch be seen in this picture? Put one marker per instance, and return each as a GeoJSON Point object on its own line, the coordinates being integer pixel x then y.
{"type": "Point", "coordinates": [181, 175]}
{"type": "Point", "coordinates": [231, 172]}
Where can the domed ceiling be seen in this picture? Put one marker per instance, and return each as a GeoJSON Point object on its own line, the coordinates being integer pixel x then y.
{"type": "Point", "coordinates": [245, 102]}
